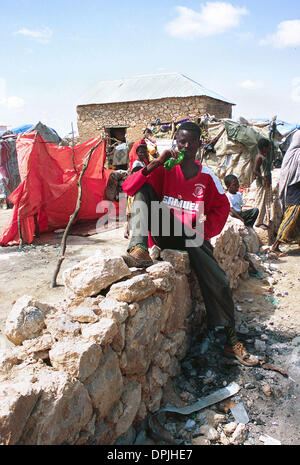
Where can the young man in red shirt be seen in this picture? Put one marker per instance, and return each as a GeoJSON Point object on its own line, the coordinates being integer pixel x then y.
{"type": "Point", "coordinates": [183, 208]}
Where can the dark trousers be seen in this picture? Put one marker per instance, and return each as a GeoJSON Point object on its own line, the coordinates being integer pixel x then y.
{"type": "Point", "coordinates": [212, 279]}
{"type": "Point", "coordinates": [249, 216]}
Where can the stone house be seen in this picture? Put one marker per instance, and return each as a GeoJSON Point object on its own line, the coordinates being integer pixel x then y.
{"type": "Point", "coordinates": [122, 108]}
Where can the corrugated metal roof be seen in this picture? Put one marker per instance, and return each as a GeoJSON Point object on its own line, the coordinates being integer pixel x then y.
{"type": "Point", "coordinates": [146, 87]}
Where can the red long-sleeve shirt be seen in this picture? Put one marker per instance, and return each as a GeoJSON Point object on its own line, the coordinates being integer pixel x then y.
{"type": "Point", "coordinates": [184, 197]}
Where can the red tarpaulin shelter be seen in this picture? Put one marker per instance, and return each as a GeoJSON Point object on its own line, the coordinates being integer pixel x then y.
{"type": "Point", "coordinates": [48, 191]}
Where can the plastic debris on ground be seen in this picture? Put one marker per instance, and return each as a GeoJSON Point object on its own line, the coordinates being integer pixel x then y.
{"type": "Point", "coordinates": [239, 413]}
{"type": "Point", "coordinates": [268, 441]}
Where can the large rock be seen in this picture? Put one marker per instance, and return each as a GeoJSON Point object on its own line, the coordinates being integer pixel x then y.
{"type": "Point", "coordinates": [43, 342]}
{"type": "Point", "coordinates": [61, 326]}
{"type": "Point", "coordinates": [142, 332]}
{"type": "Point", "coordinates": [77, 357]}
{"type": "Point", "coordinates": [131, 399]}
{"type": "Point", "coordinates": [26, 319]}
{"type": "Point", "coordinates": [251, 241]}
{"type": "Point", "coordinates": [102, 332]}
{"type": "Point", "coordinates": [83, 314]}
{"type": "Point", "coordinates": [111, 308]}
{"type": "Point", "coordinates": [164, 269]}
{"type": "Point", "coordinates": [63, 409]}
{"type": "Point", "coordinates": [17, 401]}
{"type": "Point", "coordinates": [227, 250]}
{"type": "Point", "coordinates": [178, 258]}
{"type": "Point", "coordinates": [181, 305]}
{"type": "Point", "coordinates": [105, 386]}
{"type": "Point", "coordinates": [90, 276]}
{"type": "Point", "coordinates": [133, 290]}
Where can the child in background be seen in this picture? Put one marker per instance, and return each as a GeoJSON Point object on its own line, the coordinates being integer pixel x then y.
{"type": "Point", "coordinates": [248, 217]}
{"type": "Point", "coordinates": [141, 161]}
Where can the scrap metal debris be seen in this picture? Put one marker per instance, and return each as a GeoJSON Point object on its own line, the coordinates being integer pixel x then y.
{"type": "Point", "coordinates": [211, 399]}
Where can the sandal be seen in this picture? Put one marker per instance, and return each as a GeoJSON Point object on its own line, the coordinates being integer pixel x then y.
{"type": "Point", "coordinates": [239, 352]}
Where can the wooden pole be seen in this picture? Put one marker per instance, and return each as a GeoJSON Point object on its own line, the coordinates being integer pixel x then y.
{"type": "Point", "coordinates": [73, 216]}
{"type": "Point", "coordinates": [20, 232]}
{"type": "Point", "coordinates": [73, 153]}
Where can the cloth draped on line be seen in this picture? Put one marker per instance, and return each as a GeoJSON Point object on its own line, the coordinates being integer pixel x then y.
{"type": "Point", "coordinates": [289, 191]}
{"type": "Point", "coordinates": [5, 177]}
{"type": "Point", "coordinates": [289, 229]}
{"type": "Point", "coordinates": [290, 168]}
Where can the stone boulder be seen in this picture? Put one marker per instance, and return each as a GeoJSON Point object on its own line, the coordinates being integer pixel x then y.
{"type": "Point", "coordinates": [111, 308]}
{"type": "Point", "coordinates": [178, 258]}
{"type": "Point", "coordinates": [94, 274]}
{"type": "Point", "coordinates": [63, 409]}
{"type": "Point", "coordinates": [181, 305]}
{"type": "Point", "coordinates": [77, 357]}
{"type": "Point", "coordinates": [26, 320]}
{"type": "Point", "coordinates": [133, 290]}
{"type": "Point", "coordinates": [131, 400]}
{"type": "Point", "coordinates": [105, 385]}
{"type": "Point", "coordinates": [17, 401]}
{"type": "Point", "coordinates": [102, 332]}
{"type": "Point", "coordinates": [141, 335]}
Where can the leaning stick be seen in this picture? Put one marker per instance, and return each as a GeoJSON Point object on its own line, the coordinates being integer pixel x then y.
{"type": "Point", "coordinates": [20, 232]}
{"type": "Point", "coordinates": [73, 216]}
{"type": "Point", "coordinates": [73, 153]}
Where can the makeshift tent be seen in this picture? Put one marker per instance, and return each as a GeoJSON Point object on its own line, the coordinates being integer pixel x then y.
{"type": "Point", "coordinates": [9, 171]}
{"type": "Point", "coordinates": [47, 194]}
{"type": "Point", "coordinates": [236, 148]}
{"type": "Point", "coordinates": [49, 134]}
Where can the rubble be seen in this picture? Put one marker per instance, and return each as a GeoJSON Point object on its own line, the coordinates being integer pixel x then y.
{"type": "Point", "coordinates": [114, 356]}
{"type": "Point", "coordinates": [234, 249]}
{"type": "Point", "coordinates": [111, 353]}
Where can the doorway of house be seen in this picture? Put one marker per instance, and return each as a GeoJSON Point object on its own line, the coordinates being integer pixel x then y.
{"type": "Point", "coordinates": [117, 147]}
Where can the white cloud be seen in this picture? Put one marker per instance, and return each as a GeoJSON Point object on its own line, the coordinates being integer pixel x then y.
{"type": "Point", "coordinates": [245, 36]}
{"type": "Point", "coordinates": [248, 84]}
{"type": "Point", "coordinates": [287, 35]}
{"type": "Point", "coordinates": [42, 36]}
{"type": "Point", "coordinates": [9, 103]}
{"type": "Point", "coordinates": [214, 18]}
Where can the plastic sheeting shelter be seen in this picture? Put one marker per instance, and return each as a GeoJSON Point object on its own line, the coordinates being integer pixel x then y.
{"type": "Point", "coordinates": [236, 149]}
{"type": "Point", "coordinates": [49, 134]}
{"type": "Point", "coordinates": [47, 194]}
{"type": "Point", "coordinates": [9, 171]}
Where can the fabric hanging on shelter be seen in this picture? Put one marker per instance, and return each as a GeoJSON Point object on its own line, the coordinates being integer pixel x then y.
{"type": "Point", "coordinates": [9, 171]}
{"type": "Point", "coordinates": [48, 190]}
{"type": "Point", "coordinates": [120, 155]}
{"type": "Point", "coordinates": [244, 135]}
{"type": "Point", "coordinates": [236, 149]}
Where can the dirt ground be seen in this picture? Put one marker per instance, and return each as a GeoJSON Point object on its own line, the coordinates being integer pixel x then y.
{"type": "Point", "coordinates": [267, 320]}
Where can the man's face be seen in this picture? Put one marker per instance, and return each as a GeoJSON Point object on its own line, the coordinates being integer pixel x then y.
{"type": "Point", "coordinates": [188, 140]}
{"type": "Point", "coordinates": [142, 153]}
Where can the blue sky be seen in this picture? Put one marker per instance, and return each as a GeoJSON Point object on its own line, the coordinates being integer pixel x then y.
{"type": "Point", "coordinates": [53, 52]}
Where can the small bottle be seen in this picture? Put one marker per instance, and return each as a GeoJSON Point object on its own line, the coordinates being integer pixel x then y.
{"type": "Point", "coordinates": [172, 162]}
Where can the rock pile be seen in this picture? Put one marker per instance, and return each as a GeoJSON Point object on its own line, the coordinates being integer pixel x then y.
{"type": "Point", "coordinates": [88, 369]}
{"type": "Point", "coordinates": [84, 371]}
{"type": "Point", "coordinates": [231, 249]}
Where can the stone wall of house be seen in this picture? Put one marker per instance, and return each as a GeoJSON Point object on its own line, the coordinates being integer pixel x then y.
{"type": "Point", "coordinates": [90, 368]}
{"type": "Point", "coordinates": [137, 115]}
